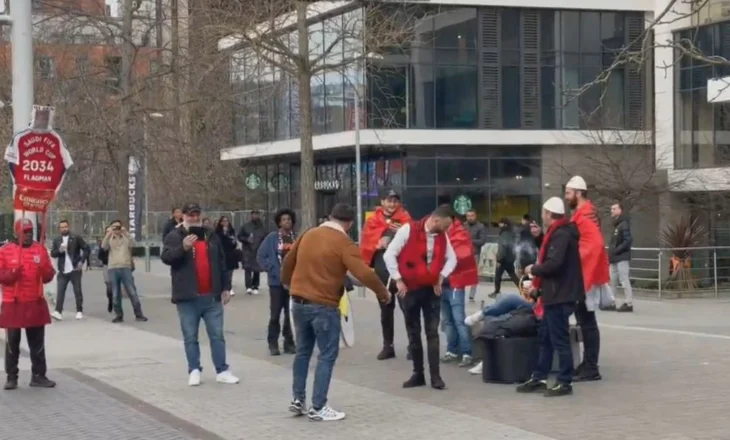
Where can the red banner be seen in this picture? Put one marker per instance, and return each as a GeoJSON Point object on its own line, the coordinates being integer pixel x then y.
{"type": "Point", "coordinates": [33, 199]}
{"type": "Point", "coordinates": [38, 159]}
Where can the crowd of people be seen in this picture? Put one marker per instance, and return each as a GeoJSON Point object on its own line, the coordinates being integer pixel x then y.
{"type": "Point", "coordinates": [428, 266]}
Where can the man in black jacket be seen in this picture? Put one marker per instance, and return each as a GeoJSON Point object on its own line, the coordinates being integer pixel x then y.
{"type": "Point", "coordinates": [175, 219]}
{"type": "Point", "coordinates": [619, 255]}
{"type": "Point", "coordinates": [505, 256]}
{"type": "Point", "coordinates": [558, 278]}
{"type": "Point", "coordinates": [71, 252]}
{"type": "Point", "coordinates": [200, 289]}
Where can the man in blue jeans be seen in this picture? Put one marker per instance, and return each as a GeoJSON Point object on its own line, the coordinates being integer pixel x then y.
{"type": "Point", "coordinates": [200, 288]}
{"type": "Point", "coordinates": [120, 266]}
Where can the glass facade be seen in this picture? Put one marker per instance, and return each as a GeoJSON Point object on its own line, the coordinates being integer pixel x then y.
{"type": "Point", "coordinates": [702, 129]}
{"type": "Point", "coordinates": [496, 182]}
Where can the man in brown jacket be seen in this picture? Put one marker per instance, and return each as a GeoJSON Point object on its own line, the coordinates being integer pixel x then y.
{"type": "Point", "coordinates": [315, 269]}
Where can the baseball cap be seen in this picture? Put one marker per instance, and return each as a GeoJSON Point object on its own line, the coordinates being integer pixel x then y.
{"type": "Point", "coordinates": [391, 193]}
{"type": "Point", "coordinates": [191, 208]}
{"type": "Point", "coordinates": [23, 225]}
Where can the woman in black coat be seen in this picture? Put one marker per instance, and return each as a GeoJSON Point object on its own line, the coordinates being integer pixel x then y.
{"type": "Point", "coordinates": [227, 236]}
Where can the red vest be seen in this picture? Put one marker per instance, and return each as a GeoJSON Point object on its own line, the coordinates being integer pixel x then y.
{"type": "Point", "coordinates": [412, 261]}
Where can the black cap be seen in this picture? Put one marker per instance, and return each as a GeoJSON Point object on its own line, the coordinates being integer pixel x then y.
{"type": "Point", "coordinates": [190, 208]}
{"type": "Point", "coordinates": [391, 193]}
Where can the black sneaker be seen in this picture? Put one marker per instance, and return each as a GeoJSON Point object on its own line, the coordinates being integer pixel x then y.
{"type": "Point", "coordinates": [417, 380]}
{"type": "Point", "coordinates": [297, 407]}
{"type": "Point", "coordinates": [274, 350]}
{"type": "Point", "coordinates": [388, 352]}
{"type": "Point", "coordinates": [586, 375]}
{"type": "Point", "coordinates": [609, 308]}
{"type": "Point", "coordinates": [118, 319]}
{"type": "Point", "coordinates": [625, 308]}
{"type": "Point", "coordinates": [42, 382]}
{"type": "Point", "coordinates": [471, 300]}
{"type": "Point", "coordinates": [141, 318]}
{"type": "Point", "coordinates": [109, 306]}
{"type": "Point", "coordinates": [290, 348]}
{"type": "Point", "coordinates": [532, 386]}
{"type": "Point", "coordinates": [559, 389]}
{"type": "Point", "coordinates": [437, 383]}
{"type": "Point", "coordinates": [11, 383]}
{"type": "Point", "coordinates": [493, 295]}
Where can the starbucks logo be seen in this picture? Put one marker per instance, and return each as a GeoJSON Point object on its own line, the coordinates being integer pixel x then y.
{"type": "Point", "coordinates": [462, 204]}
{"type": "Point", "coordinates": [253, 181]}
{"type": "Point", "coordinates": [280, 182]}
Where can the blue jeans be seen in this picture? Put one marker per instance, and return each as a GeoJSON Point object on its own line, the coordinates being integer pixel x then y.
{"type": "Point", "coordinates": [203, 307]}
{"type": "Point", "coordinates": [123, 277]}
{"type": "Point", "coordinates": [506, 304]}
{"type": "Point", "coordinates": [554, 336]}
{"type": "Point", "coordinates": [318, 324]}
{"type": "Point", "coordinates": [458, 336]}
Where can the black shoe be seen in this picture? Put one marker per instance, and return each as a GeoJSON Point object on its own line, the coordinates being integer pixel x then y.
{"type": "Point", "coordinates": [110, 306]}
{"type": "Point", "coordinates": [586, 374]}
{"type": "Point", "coordinates": [11, 383]}
{"type": "Point", "coordinates": [118, 319]}
{"type": "Point", "coordinates": [409, 356]}
{"type": "Point", "coordinates": [560, 389]}
{"type": "Point", "coordinates": [388, 352]}
{"type": "Point", "coordinates": [609, 308]}
{"type": "Point", "coordinates": [437, 383]}
{"type": "Point", "coordinates": [493, 295]}
{"type": "Point", "coordinates": [417, 380]}
{"type": "Point", "coordinates": [471, 300]}
{"type": "Point", "coordinates": [625, 308]}
{"type": "Point", "coordinates": [274, 350]}
{"type": "Point", "coordinates": [290, 348]}
{"type": "Point", "coordinates": [42, 382]}
{"type": "Point", "coordinates": [532, 386]}
{"type": "Point", "coordinates": [141, 318]}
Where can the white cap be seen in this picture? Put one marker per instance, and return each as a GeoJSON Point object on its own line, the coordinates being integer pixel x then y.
{"type": "Point", "coordinates": [554, 205]}
{"type": "Point", "coordinates": [577, 182]}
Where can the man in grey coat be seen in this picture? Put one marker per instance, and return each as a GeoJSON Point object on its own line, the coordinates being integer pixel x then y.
{"type": "Point", "coordinates": [251, 235]}
{"type": "Point", "coordinates": [478, 233]}
{"type": "Point", "coordinates": [619, 255]}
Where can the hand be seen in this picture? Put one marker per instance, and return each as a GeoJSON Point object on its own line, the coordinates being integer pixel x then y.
{"type": "Point", "coordinates": [226, 296]}
{"type": "Point", "coordinates": [62, 248]}
{"type": "Point", "coordinates": [437, 289]}
{"type": "Point", "coordinates": [393, 226]}
{"type": "Point", "coordinates": [389, 298]}
{"type": "Point", "coordinates": [527, 293]}
{"type": "Point", "coordinates": [383, 243]}
{"type": "Point", "coordinates": [80, 266]}
{"type": "Point", "coordinates": [189, 241]}
{"type": "Point", "coordinates": [528, 270]}
{"type": "Point", "coordinates": [402, 289]}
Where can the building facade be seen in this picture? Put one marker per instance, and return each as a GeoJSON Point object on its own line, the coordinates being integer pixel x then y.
{"type": "Point", "coordinates": [481, 105]}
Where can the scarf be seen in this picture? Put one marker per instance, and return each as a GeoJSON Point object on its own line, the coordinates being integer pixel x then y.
{"type": "Point", "coordinates": [537, 281]}
{"type": "Point", "coordinates": [376, 226]}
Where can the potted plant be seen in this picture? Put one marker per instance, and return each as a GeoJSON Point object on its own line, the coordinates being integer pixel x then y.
{"type": "Point", "coordinates": [679, 238]}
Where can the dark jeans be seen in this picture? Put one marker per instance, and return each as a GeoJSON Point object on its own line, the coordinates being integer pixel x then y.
{"type": "Point", "coordinates": [417, 302]}
{"type": "Point", "coordinates": [279, 302]}
{"type": "Point", "coordinates": [321, 325]}
{"type": "Point", "coordinates": [387, 322]}
{"type": "Point", "coordinates": [508, 267]}
{"type": "Point", "coordinates": [253, 279]}
{"type": "Point", "coordinates": [62, 280]}
{"type": "Point", "coordinates": [203, 307]}
{"type": "Point", "coordinates": [36, 337]}
{"type": "Point", "coordinates": [591, 336]}
{"type": "Point", "coordinates": [554, 337]}
{"type": "Point", "coordinates": [123, 277]}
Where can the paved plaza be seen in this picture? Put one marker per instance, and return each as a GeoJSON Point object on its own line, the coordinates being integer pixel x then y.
{"type": "Point", "coordinates": [663, 371]}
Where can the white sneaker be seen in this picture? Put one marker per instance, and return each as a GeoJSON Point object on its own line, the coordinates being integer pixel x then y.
{"type": "Point", "coordinates": [194, 379]}
{"type": "Point", "coordinates": [57, 316]}
{"type": "Point", "coordinates": [226, 377]}
{"type": "Point", "coordinates": [249, 291]}
{"type": "Point", "coordinates": [477, 368]}
{"type": "Point", "coordinates": [473, 319]}
{"type": "Point", "coordinates": [79, 315]}
{"type": "Point", "coordinates": [326, 414]}
{"type": "Point", "coordinates": [255, 291]}
{"type": "Point", "coordinates": [232, 292]}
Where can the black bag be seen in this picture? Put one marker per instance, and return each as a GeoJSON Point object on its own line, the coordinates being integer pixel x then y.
{"type": "Point", "coordinates": [509, 360]}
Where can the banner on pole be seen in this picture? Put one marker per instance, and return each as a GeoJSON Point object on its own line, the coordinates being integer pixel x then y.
{"type": "Point", "coordinates": [32, 199]}
{"type": "Point", "coordinates": [135, 194]}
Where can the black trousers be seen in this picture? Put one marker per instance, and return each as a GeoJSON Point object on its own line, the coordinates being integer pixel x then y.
{"type": "Point", "coordinates": [422, 301]}
{"type": "Point", "coordinates": [253, 279]}
{"type": "Point", "coordinates": [591, 336]}
{"type": "Point", "coordinates": [387, 322]}
{"type": "Point", "coordinates": [279, 302]}
{"type": "Point", "coordinates": [36, 337]}
{"type": "Point", "coordinates": [499, 272]}
{"type": "Point", "coordinates": [63, 279]}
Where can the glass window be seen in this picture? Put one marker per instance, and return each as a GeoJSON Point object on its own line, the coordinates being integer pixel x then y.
{"type": "Point", "coordinates": [590, 32]}
{"type": "Point", "coordinates": [547, 30]}
{"type": "Point", "coordinates": [511, 37]}
{"type": "Point", "coordinates": [456, 97]}
{"type": "Point", "coordinates": [420, 172]}
{"type": "Point", "coordinates": [511, 93]}
{"type": "Point", "coordinates": [420, 201]}
{"type": "Point", "coordinates": [550, 95]}
{"type": "Point", "coordinates": [463, 172]}
{"type": "Point", "coordinates": [571, 31]}
{"type": "Point", "coordinates": [456, 28]}
{"type": "Point", "coordinates": [334, 87]}
{"type": "Point", "coordinates": [423, 95]}
{"type": "Point", "coordinates": [387, 103]}
{"type": "Point", "coordinates": [515, 176]}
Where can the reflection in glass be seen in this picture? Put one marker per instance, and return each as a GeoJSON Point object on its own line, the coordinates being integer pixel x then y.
{"type": "Point", "coordinates": [420, 171]}
{"type": "Point", "coordinates": [463, 172]}
{"type": "Point", "coordinates": [420, 201]}
{"type": "Point", "coordinates": [456, 97]}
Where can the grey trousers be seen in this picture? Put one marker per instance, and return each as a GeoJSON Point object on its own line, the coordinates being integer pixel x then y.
{"type": "Point", "coordinates": [620, 274]}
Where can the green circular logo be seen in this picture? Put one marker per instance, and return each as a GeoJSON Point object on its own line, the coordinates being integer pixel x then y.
{"type": "Point", "coordinates": [462, 204]}
{"type": "Point", "coordinates": [253, 181]}
{"type": "Point", "coordinates": [280, 182]}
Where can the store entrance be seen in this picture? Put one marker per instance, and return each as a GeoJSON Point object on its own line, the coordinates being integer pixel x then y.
{"type": "Point", "coordinates": [325, 202]}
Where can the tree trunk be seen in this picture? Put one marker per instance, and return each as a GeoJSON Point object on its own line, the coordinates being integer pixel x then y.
{"type": "Point", "coordinates": [308, 214]}
{"type": "Point", "coordinates": [125, 79]}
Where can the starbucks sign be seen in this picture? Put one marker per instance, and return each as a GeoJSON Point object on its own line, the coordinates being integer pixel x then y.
{"type": "Point", "coordinates": [253, 181]}
{"type": "Point", "coordinates": [462, 204]}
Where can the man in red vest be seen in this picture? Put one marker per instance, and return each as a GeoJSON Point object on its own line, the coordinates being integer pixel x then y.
{"type": "Point", "coordinates": [24, 267]}
{"type": "Point", "coordinates": [420, 259]}
{"type": "Point", "coordinates": [378, 231]}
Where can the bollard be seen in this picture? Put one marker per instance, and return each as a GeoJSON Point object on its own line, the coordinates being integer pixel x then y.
{"type": "Point", "coordinates": [147, 259]}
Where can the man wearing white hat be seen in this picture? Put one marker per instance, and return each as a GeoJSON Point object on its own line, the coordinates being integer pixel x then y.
{"type": "Point", "coordinates": [594, 261]}
{"type": "Point", "coordinates": [558, 281]}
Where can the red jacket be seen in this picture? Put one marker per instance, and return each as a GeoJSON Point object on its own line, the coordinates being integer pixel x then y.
{"type": "Point", "coordinates": [465, 274]}
{"type": "Point", "coordinates": [374, 229]}
{"type": "Point", "coordinates": [23, 271]}
{"type": "Point", "coordinates": [414, 270]}
{"type": "Point", "coordinates": [592, 248]}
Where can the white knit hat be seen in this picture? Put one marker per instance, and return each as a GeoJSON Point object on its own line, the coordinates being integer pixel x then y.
{"type": "Point", "coordinates": [577, 182]}
{"type": "Point", "coordinates": [554, 205]}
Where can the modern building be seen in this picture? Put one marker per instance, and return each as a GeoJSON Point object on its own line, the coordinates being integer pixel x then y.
{"type": "Point", "coordinates": [488, 104]}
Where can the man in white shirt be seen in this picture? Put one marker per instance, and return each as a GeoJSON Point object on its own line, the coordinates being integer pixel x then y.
{"type": "Point", "coordinates": [420, 259]}
{"type": "Point", "coordinates": [71, 252]}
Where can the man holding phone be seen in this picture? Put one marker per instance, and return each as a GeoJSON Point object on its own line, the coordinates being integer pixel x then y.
{"type": "Point", "coordinates": [200, 288]}
{"type": "Point", "coordinates": [120, 266]}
